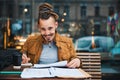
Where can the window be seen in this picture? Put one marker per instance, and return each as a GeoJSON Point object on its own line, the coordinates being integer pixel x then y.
{"type": "Point", "coordinates": [66, 11]}
{"type": "Point", "coordinates": [56, 9]}
{"type": "Point", "coordinates": [28, 11]}
{"type": "Point", "coordinates": [83, 11]}
{"type": "Point", "coordinates": [24, 10]}
{"type": "Point", "coordinates": [97, 10]}
{"type": "Point", "coordinates": [111, 10]}
{"type": "Point", "coordinates": [20, 10]}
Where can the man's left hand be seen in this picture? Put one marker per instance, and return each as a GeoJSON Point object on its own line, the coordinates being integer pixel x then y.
{"type": "Point", "coordinates": [74, 63]}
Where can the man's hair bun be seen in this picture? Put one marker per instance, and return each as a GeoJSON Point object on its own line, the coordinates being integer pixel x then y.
{"type": "Point", "coordinates": [46, 10]}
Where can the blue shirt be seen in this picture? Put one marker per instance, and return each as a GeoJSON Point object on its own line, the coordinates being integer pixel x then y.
{"type": "Point", "coordinates": [49, 54]}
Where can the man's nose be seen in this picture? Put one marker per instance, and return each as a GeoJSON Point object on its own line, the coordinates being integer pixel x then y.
{"type": "Point", "coordinates": [47, 32]}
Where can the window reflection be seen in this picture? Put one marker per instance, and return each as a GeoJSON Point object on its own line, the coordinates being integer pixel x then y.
{"type": "Point", "coordinates": [77, 19]}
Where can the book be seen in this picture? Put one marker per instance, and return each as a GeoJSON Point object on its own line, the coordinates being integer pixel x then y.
{"type": "Point", "coordinates": [53, 72]}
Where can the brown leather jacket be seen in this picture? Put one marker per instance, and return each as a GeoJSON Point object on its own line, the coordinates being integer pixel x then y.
{"type": "Point", "coordinates": [33, 48]}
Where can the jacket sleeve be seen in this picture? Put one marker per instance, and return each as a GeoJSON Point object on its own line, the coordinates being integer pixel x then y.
{"type": "Point", "coordinates": [25, 46]}
{"type": "Point", "coordinates": [73, 52]}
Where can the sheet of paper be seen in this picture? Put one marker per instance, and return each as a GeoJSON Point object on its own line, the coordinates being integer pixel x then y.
{"type": "Point", "coordinates": [26, 64]}
{"type": "Point", "coordinates": [66, 72]}
{"type": "Point", "coordinates": [57, 64]}
{"type": "Point", "coordinates": [35, 73]}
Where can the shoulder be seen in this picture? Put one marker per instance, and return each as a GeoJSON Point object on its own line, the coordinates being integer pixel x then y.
{"type": "Point", "coordinates": [64, 39]}
{"type": "Point", "coordinates": [33, 38]}
{"type": "Point", "coordinates": [64, 42]}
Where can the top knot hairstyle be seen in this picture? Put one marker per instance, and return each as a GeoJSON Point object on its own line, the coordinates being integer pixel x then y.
{"type": "Point", "coordinates": [46, 10]}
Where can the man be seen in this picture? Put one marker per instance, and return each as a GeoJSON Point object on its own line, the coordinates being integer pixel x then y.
{"type": "Point", "coordinates": [49, 46]}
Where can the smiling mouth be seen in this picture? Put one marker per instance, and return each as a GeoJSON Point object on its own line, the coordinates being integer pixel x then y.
{"type": "Point", "coordinates": [48, 38]}
{"type": "Point", "coordinates": [48, 35]}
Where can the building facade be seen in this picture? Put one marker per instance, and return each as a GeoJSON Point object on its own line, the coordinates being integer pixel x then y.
{"type": "Point", "coordinates": [77, 18]}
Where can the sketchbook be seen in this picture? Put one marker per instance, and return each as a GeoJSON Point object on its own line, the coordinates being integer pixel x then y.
{"type": "Point", "coordinates": [53, 72]}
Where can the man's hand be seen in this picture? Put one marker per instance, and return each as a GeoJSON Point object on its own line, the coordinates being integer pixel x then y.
{"type": "Point", "coordinates": [25, 59]}
{"type": "Point", "coordinates": [74, 63]}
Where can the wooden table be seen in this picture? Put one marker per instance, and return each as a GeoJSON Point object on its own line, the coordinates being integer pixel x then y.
{"type": "Point", "coordinates": [10, 73]}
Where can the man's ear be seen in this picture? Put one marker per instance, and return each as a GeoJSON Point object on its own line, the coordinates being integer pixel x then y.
{"type": "Point", "coordinates": [56, 23]}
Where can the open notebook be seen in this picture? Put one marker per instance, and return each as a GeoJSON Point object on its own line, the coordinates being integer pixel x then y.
{"type": "Point", "coordinates": [53, 72]}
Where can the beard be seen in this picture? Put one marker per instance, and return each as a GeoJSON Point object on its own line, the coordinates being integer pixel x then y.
{"type": "Point", "coordinates": [48, 37]}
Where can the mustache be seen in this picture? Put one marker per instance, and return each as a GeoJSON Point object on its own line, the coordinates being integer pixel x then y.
{"type": "Point", "coordinates": [47, 34]}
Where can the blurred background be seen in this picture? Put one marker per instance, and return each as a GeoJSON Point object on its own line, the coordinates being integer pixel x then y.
{"type": "Point", "coordinates": [94, 26]}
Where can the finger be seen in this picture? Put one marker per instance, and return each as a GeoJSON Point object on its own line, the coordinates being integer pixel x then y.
{"type": "Point", "coordinates": [28, 59]}
{"type": "Point", "coordinates": [70, 63]}
{"type": "Point", "coordinates": [25, 59]}
{"type": "Point", "coordinates": [24, 56]}
{"type": "Point", "coordinates": [73, 65]}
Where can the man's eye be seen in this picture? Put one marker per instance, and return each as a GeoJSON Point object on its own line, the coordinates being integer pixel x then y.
{"type": "Point", "coordinates": [42, 29]}
{"type": "Point", "coordinates": [50, 28]}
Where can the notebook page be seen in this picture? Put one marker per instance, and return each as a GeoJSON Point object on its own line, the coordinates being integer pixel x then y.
{"type": "Point", "coordinates": [57, 64]}
{"type": "Point", "coordinates": [35, 73]}
{"type": "Point", "coordinates": [68, 73]}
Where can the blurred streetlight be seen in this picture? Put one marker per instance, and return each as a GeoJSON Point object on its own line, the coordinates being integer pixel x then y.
{"type": "Point", "coordinates": [73, 24]}
{"type": "Point", "coordinates": [62, 19]}
{"type": "Point", "coordinates": [64, 14]}
{"type": "Point", "coordinates": [25, 10]}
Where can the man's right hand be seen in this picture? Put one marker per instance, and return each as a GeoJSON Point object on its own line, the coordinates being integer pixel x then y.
{"type": "Point", "coordinates": [25, 59]}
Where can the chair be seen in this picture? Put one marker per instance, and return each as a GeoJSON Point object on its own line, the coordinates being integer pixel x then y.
{"type": "Point", "coordinates": [91, 63]}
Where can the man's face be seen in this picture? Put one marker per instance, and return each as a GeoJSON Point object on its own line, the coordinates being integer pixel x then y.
{"type": "Point", "coordinates": [48, 28]}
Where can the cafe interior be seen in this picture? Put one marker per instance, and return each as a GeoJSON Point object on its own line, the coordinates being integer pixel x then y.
{"type": "Point", "coordinates": [93, 25]}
